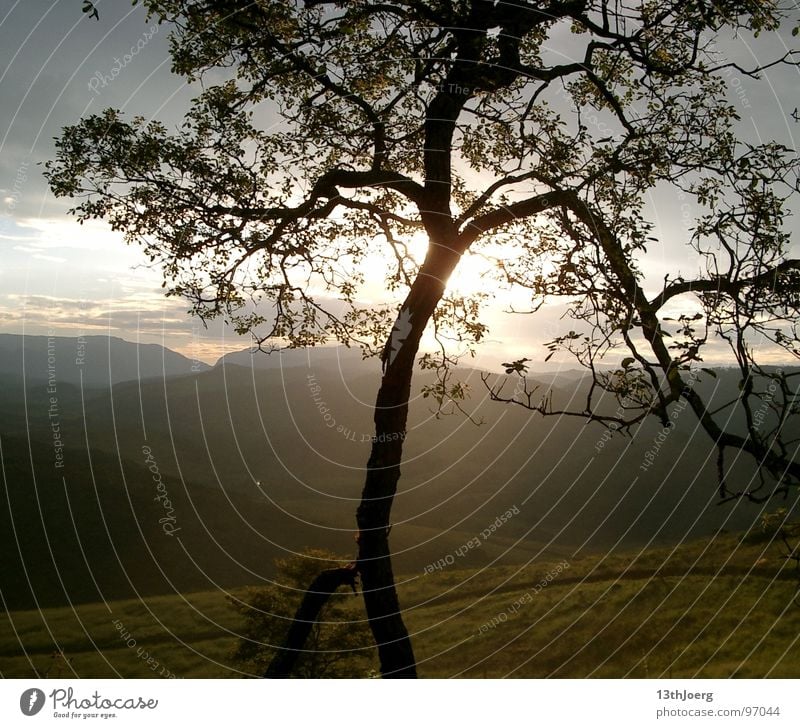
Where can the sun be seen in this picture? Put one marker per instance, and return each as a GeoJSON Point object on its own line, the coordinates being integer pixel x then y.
{"type": "Point", "coordinates": [472, 276]}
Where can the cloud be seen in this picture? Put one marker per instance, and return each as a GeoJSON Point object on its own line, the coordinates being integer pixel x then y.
{"type": "Point", "coordinates": [127, 312]}
{"type": "Point", "coordinates": [50, 258]}
{"type": "Point", "coordinates": [143, 316]}
{"type": "Point", "coordinates": [61, 234]}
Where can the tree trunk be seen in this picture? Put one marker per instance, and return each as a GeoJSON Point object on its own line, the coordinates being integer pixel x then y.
{"type": "Point", "coordinates": [316, 596]}
{"type": "Point", "coordinates": [374, 562]}
{"type": "Point", "coordinates": [383, 468]}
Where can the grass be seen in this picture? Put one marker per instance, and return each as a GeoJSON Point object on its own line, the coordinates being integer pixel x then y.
{"type": "Point", "coordinates": [716, 608]}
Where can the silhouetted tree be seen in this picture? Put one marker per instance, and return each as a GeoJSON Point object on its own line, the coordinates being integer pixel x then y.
{"type": "Point", "coordinates": [338, 641]}
{"type": "Point", "coordinates": [531, 132]}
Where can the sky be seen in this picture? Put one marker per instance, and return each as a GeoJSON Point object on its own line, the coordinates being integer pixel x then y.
{"type": "Point", "coordinates": [56, 65]}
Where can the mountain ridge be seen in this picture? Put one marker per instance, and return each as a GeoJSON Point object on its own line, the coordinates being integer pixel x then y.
{"type": "Point", "coordinates": [280, 451]}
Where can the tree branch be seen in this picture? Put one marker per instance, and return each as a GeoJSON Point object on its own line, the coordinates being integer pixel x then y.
{"type": "Point", "coordinates": [772, 278]}
{"type": "Point", "coordinates": [315, 598]}
{"type": "Point", "coordinates": [515, 211]}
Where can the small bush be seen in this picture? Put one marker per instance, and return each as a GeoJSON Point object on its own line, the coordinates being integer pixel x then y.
{"type": "Point", "coordinates": [340, 644]}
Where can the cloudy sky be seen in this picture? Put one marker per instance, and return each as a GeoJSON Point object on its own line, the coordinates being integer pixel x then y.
{"type": "Point", "coordinates": [57, 64]}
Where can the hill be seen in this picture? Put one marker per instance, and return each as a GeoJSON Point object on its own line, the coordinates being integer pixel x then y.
{"type": "Point", "coordinates": [94, 361]}
{"type": "Point", "coordinates": [262, 460]}
{"type": "Point", "coordinates": [713, 608]}
{"type": "Point", "coordinates": [102, 529]}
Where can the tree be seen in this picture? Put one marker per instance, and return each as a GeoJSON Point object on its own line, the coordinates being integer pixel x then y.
{"type": "Point", "coordinates": [89, 9]}
{"type": "Point", "coordinates": [338, 644]}
{"type": "Point", "coordinates": [456, 120]}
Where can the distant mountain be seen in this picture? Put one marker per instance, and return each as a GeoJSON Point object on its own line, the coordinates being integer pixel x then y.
{"type": "Point", "coordinates": [267, 453]}
{"type": "Point", "coordinates": [99, 361]}
{"type": "Point", "coordinates": [330, 357]}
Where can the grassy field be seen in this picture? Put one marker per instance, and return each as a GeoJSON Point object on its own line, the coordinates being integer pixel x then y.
{"type": "Point", "coordinates": [717, 608]}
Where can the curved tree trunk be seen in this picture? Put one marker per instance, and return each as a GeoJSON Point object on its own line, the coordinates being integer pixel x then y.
{"type": "Point", "coordinates": [315, 598]}
{"type": "Point", "coordinates": [383, 468]}
{"type": "Point", "coordinates": [374, 562]}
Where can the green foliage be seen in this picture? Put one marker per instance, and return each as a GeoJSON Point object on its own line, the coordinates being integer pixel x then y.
{"type": "Point", "coordinates": [775, 526]}
{"type": "Point", "coordinates": [90, 10]}
{"type": "Point", "coordinates": [519, 366]}
{"type": "Point", "coordinates": [340, 643]}
{"type": "Point", "coordinates": [242, 212]}
{"type": "Point", "coordinates": [324, 133]}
